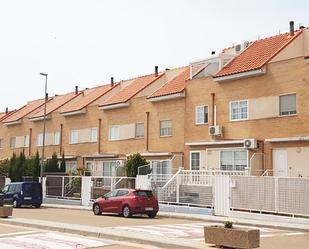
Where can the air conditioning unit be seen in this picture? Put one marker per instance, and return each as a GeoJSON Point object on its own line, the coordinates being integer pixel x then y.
{"type": "Point", "coordinates": [215, 130]}
{"type": "Point", "coordinates": [250, 143]}
{"type": "Point", "coordinates": [240, 47]}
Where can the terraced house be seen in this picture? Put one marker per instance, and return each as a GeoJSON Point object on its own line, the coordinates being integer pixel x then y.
{"type": "Point", "coordinates": [246, 108]}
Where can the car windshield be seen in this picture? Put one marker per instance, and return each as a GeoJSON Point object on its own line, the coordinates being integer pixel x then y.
{"type": "Point", "coordinates": [143, 193]}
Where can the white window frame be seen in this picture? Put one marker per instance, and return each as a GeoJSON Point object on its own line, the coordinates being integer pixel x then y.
{"type": "Point", "coordinates": [39, 139]}
{"type": "Point", "coordinates": [93, 134]}
{"type": "Point", "coordinates": [196, 114]}
{"type": "Point", "coordinates": [56, 138]}
{"type": "Point", "coordinates": [234, 150]}
{"type": "Point", "coordinates": [142, 136]}
{"type": "Point", "coordinates": [12, 139]}
{"type": "Point", "coordinates": [238, 101]}
{"type": "Point", "coordinates": [171, 128]}
{"type": "Point", "coordinates": [72, 137]}
{"type": "Point", "coordinates": [200, 159]}
{"type": "Point", "coordinates": [110, 132]}
{"type": "Point", "coordinates": [287, 115]}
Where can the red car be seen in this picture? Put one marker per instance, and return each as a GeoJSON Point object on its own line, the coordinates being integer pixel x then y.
{"type": "Point", "coordinates": [127, 202]}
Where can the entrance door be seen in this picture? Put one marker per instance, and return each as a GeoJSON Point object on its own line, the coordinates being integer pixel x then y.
{"type": "Point", "coordinates": [280, 162]}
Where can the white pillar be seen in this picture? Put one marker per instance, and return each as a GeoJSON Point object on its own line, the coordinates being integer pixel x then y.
{"type": "Point", "coordinates": [86, 190]}
{"type": "Point", "coordinates": [44, 187]}
{"type": "Point", "coordinates": [7, 181]}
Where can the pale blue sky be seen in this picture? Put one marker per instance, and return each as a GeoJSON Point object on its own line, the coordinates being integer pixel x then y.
{"type": "Point", "coordinates": [86, 42]}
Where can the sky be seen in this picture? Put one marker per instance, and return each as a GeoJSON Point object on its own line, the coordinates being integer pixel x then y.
{"type": "Point", "coordinates": [85, 42]}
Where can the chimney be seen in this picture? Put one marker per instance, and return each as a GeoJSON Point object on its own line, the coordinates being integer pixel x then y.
{"type": "Point", "coordinates": [213, 52]}
{"type": "Point", "coordinates": [76, 89]}
{"type": "Point", "coordinates": [112, 81]}
{"type": "Point", "coordinates": [6, 110]}
{"type": "Point", "coordinates": [46, 96]}
{"type": "Point", "coordinates": [291, 28]}
{"type": "Point", "coordinates": [156, 71]}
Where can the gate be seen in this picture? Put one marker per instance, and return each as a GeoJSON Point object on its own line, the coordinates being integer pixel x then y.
{"type": "Point", "coordinates": [222, 195]}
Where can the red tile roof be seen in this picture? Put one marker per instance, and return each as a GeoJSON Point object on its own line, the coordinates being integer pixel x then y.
{"type": "Point", "coordinates": [131, 90]}
{"type": "Point", "coordinates": [24, 111]}
{"type": "Point", "coordinates": [55, 103]}
{"type": "Point", "coordinates": [4, 115]}
{"type": "Point", "coordinates": [176, 85]}
{"type": "Point", "coordinates": [257, 54]}
{"type": "Point", "coordinates": [88, 97]}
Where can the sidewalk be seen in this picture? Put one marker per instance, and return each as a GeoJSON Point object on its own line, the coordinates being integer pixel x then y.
{"type": "Point", "coordinates": [264, 221]}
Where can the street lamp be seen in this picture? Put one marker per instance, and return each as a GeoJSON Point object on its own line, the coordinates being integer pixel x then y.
{"type": "Point", "coordinates": [44, 126]}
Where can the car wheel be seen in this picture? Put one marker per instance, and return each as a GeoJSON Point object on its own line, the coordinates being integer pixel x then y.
{"type": "Point", "coordinates": [96, 209]}
{"type": "Point", "coordinates": [15, 204]}
{"type": "Point", "coordinates": [152, 215]}
{"type": "Point", "coordinates": [126, 212]}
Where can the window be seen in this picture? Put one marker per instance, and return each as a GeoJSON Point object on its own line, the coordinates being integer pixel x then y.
{"type": "Point", "coordinates": [1, 143]}
{"type": "Point", "coordinates": [74, 137]}
{"type": "Point", "coordinates": [26, 141]}
{"type": "Point", "coordinates": [122, 193]}
{"type": "Point", "coordinates": [139, 130]}
{"type": "Point", "coordinates": [114, 133]}
{"type": "Point", "coordinates": [195, 160]}
{"type": "Point", "coordinates": [233, 160]}
{"type": "Point", "coordinates": [165, 128]}
{"type": "Point", "coordinates": [161, 167]}
{"type": "Point", "coordinates": [239, 110]}
{"type": "Point", "coordinates": [39, 140]}
{"type": "Point", "coordinates": [94, 135]}
{"type": "Point", "coordinates": [57, 138]}
{"type": "Point", "coordinates": [287, 104]}
{"type": "Point", "coordinates": [70, 166]}
{"type": "Point", "coordinates": [12, 142]}
{"type": "Point", "coordinates": [201, 115]}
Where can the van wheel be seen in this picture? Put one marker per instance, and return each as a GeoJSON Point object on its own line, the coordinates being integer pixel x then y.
{"type": "Point", "coordinates": [37, 205]}
{"type": "Point", "coordinates": [15, 204]}
{"type": "Point", "coordinates": [96, 209]}
{"type": "Point", "coordinates": [126, 212]}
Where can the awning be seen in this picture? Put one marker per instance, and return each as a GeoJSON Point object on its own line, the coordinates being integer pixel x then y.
{"type": "Point", "coordinates": [287, 139]}
{"type": "Point", "coordinates": [223, 142]}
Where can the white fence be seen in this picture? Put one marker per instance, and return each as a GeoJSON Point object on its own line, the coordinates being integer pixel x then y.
{"type": "Point", "coordinates": [66, 187]}
{"type": "Point", "coordinates": [282, 195]}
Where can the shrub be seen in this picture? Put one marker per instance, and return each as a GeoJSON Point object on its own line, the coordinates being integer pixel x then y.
{"type": "Point", "coordinates": [134, 161]}
{"type": "Point", "coordinates": [228, 224]}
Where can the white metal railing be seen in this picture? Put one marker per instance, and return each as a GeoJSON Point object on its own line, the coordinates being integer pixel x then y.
{"type": "Point", "coordinates": [64, 187]}
{"type": "Point", "coordinates": [288, 173]}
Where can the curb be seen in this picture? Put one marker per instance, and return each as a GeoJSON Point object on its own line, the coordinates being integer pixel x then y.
{"type": "Point", "coordinates": [209, 218]}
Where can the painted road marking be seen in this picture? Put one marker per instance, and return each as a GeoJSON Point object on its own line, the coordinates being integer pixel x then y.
{"type": "Point", "coordinates": [49, 241]}
{"type": "Point", "coordinates": [194, 231]}
{"type": "Point", "coordinates": [17, 233]}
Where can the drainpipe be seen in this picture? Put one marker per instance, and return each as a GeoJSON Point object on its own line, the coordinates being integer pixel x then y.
{"type": "Point", "coordinates": [99, 136]}
{"type": "Point", "coordinates": [147, 131]}
{"type": "Point", "coordinates": [61, 134]}
{"type": "Point", "coordinates": [30, 141]}
{"type": "Point", "coordinates": [212, 109]}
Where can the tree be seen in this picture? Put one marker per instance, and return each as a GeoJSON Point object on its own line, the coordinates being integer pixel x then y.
{"type": "Point", "coordinates": [62, 164]}
{"type": "Point", "coordinates": [4, 167]}
{"type": "Point", "coordinates": [12, 167]}
{"type": "Point", "coordinates": [52, 164]}
{"type": "Point", "coordinates": [36, 169]}
{"type": "Point", "coordinates": [134, 161]}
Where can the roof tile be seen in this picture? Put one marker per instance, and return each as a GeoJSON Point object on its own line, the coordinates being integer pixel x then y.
{"type": "Point", "coordinates": [257, 54]}
{"type": "Point", "coordinates": [176, 85]}
{"type": "Point", "coordinates": [24, 111]}
{"type": "Point", "coordinates": [88, 97]}
{"type": "Point", "coordinates": [131, 90]}
{"type": "Point", "coordinates": [55, 103]}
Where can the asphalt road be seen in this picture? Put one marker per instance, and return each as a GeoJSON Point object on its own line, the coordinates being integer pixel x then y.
{"type": "Point", "coordinates": [161, 227]}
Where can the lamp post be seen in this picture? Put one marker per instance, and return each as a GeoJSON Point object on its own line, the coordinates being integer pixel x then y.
{"type": "Point", "coordinates": [44, 127]}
